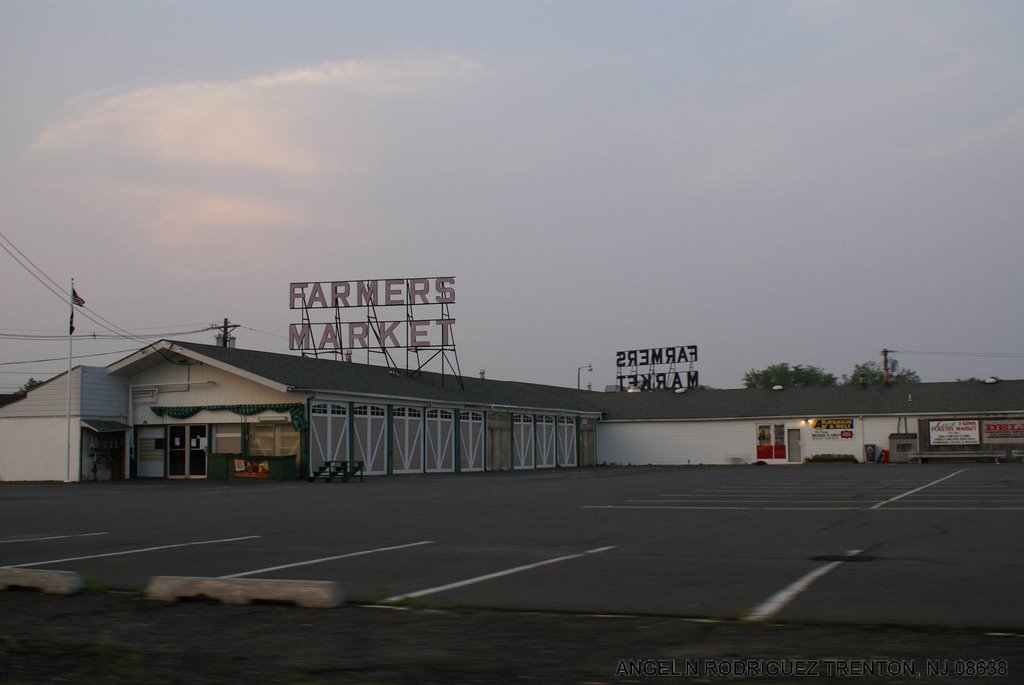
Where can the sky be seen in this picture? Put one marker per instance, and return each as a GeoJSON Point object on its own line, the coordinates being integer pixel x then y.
{"type": "Point", "coordinates": [799, 181]}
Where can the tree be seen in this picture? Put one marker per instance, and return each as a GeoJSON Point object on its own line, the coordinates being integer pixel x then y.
{"type": "Point", "coordinates": [798, 376]}
{"type": "Point", "coordinates": [29, 384]}
{"type": "Point", "coordinates": [874, 375]}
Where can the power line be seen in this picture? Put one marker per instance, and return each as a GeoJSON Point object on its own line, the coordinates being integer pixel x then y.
{"type": "Point", "coordinates": [59, 291]}
{"type": "Point", "coordinates": [256, 330]}
{"type": "Point", "coordinates": [97, 336]}
{"type": "Point", "coordinates": [77, 356]}
{"type": "Point", "coordinates": [962, 354]}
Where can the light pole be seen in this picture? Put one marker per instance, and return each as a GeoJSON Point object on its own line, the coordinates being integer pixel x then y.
{"type": "Point", "coordinates": [588, 367]}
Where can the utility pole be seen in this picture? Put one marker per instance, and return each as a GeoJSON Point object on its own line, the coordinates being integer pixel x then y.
{"type": "Point", "coordinates": [885, 366]}
{"type": "Point", "coordinates": [224, 338]}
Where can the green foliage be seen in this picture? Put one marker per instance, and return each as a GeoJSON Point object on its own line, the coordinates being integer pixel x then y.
{"type": "Point", "coordinates": [873, 375]}
{"type": "Point", "coordinates": [29, 384]}
{"type": "Point", "coordinates": [832, 459]}
{"type": "Point", "coordinates": [798, 376]}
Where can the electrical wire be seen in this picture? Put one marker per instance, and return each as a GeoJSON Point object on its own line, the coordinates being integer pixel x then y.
{"type": "Point", "coordinates": [256, 330]}
{"type": "Point", "coordinates": [77, 356]}
{"type": "Point", "coordinates": [59, 291]}
{"type": "Point", "coordinates": [962, 354]}
{"type": "Point", "coordinates": [97, 336]}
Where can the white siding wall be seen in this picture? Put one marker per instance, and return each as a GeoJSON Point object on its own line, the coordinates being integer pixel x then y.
{"type": "Point", "coordinates": [873, 430]}
{"type": "Point", "coordinates": [877, 429]}
{"type": "Point", "coordinates": [36, 448]}
{"type": "Point", "coordinates": [675, 442]}
{"type": "Point", "coordinates": [226, 388]}
{"type": "Point", "coordinates": [724, 442]}
{"type": "Point", "coordinates": [49, 399]}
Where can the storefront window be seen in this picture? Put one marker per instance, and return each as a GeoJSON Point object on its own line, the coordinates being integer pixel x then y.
{"type": "Point", "coordinates": [771, 441]}
{"type": "Point", "coordinates": [227, 438]}
{"type": "Point", "coordinates": [273, 440]}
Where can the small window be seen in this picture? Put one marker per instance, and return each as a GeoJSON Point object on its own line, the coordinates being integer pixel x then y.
{"type": "Point", "coordinates": [227, 438]}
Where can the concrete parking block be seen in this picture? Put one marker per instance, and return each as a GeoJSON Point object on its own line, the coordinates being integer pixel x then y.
{"type": "Point", "coordinates": [50, 582]}
{"type": "Point", "coordinates": [319, 594]}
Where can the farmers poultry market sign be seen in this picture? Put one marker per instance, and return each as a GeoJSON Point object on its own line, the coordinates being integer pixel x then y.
{"type": "Point", "coordinates": [958, 432]}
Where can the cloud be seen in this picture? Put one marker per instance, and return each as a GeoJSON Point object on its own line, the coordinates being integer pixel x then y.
{"type": "Point", "coordinates": [220, 218]}
{"type": "Point", "coordinates": [254, 123]}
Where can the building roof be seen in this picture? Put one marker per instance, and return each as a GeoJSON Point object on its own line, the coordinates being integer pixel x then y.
{"type": "Point", "coordinates": [963, 397]}
{"type": "Point", "coordinates": [291, 372]}
{"type": "Point", "coordinates": [7, 398]}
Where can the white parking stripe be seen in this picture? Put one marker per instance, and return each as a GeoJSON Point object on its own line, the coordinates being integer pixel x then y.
{"type": "Point", "coordinates": [775, 603]}
{"type": "Point", "coordinates": [334, 558]}
{"type": "Point", "coordinates": [492, 576]}
{"type": "Point", "coordinates": [792, 508]}
{"type": "Point", "coordinates": [911, 492]}
{"type": "Point", "coordinates": [131, 551]}
{"type": "Point", "coordinates": [53, 537]}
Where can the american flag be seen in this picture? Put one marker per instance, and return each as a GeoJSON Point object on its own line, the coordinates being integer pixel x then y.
{"type": "Point", "coordinates": [77, 299]}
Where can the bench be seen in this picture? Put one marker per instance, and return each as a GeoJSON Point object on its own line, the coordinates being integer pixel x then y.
{"type": "Point", "coordinates": [988, 455]}
{"type": "Point", "coordinates": [346, 470]}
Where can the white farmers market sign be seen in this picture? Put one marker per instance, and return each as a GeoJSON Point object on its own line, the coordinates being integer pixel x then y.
{"type": "Point", "coordinates": [957, 432]}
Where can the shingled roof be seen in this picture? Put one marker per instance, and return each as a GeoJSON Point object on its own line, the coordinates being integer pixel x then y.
{"type": "Point", "coordinates": [323, 375]}
{"type": "Point", "coordinates": [328, 376]}
{"type": "Point", "coordinates": [967, 398]}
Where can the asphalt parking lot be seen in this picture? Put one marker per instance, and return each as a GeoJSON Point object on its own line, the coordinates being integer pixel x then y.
{"type": "Point", "coordinates": [928, 547]}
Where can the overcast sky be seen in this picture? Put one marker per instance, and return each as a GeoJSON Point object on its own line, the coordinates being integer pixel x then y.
{"type": "Point", "coordinates": [772, 181]}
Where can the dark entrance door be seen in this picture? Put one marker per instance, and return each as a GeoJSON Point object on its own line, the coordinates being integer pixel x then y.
{"type": "Point", "coordinates": [186, 452]}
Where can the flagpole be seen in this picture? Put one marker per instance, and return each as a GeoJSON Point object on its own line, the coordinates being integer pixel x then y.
{"type": "Point", "coordinates": [71, 334]}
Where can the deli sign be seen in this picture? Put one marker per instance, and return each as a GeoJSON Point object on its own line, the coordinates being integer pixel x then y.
{"type": "Point", "coordinates": [1004, 430]}
{"type": "Point", "coordinates": [831, 429]}
{"type": "Point", "coordinates": [955, 432]}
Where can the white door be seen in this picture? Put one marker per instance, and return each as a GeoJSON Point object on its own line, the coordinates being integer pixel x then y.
{"type": "Point", "coordinates": [440, 445]}
{"type": "Point", "coordinates": [369, 427]}
{"type": "Point", "coordinates": [522, 441]}
{"type": "Point", "coordinates": [545, 442]}
{"type": "Point", "coordinates": [407, 439]}
{"type": "Point", "coordinates": [567, 441]}
{"type": "Point", "coordinates": [328, 433]}
{"type": "Point", "coordinates": [471, 441]}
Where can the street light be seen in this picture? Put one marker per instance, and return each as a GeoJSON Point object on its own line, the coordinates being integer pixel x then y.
{"type": "Point", "coordinates": [588, 367]}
